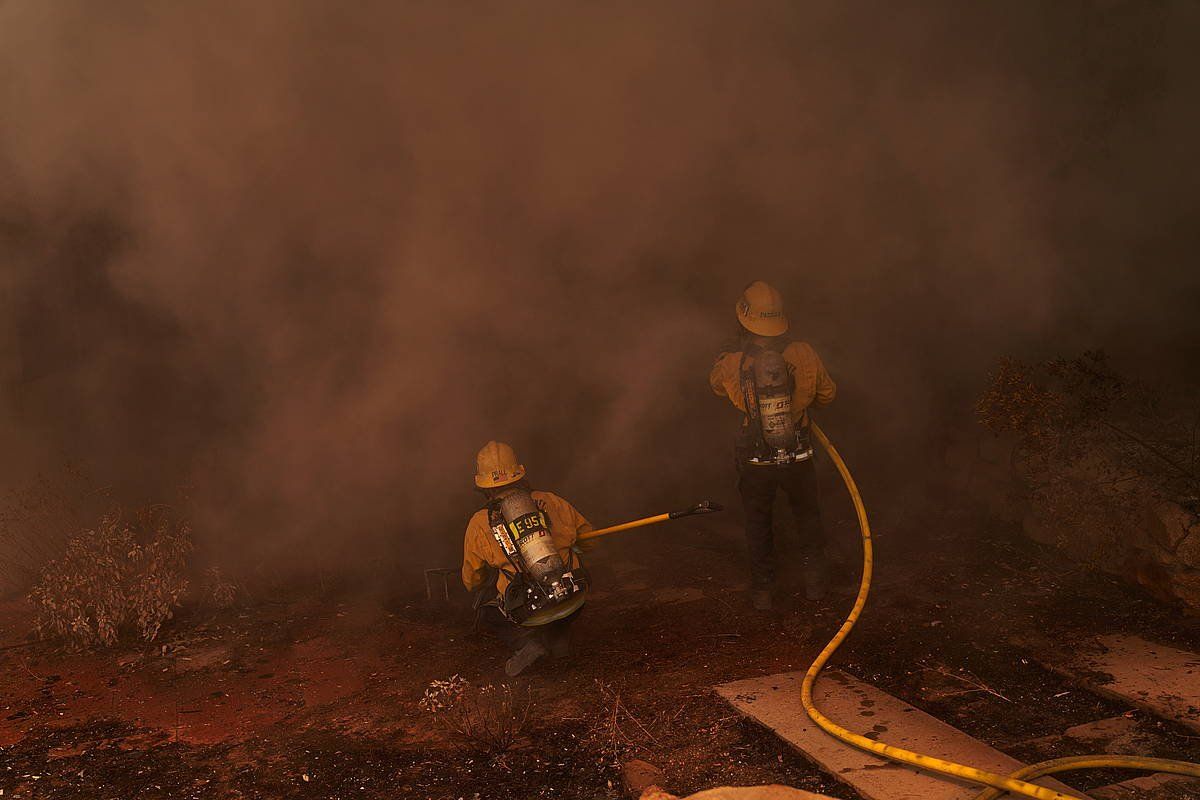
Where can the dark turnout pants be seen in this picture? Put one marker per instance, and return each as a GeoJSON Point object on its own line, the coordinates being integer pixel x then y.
{"type": "Point", "coordinates": [757, 485]}
{"type": "Point", "coordinates": [515, 636]}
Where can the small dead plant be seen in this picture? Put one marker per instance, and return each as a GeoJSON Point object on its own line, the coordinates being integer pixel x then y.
{"type": "Point", "coordinates": [488, 718]}
{"type": "Point", "coordinates": [123, 575]}
{"type": "Point", "coordinates": [967, 679]}
{"type": "Point", "coordinates": [611, 730]}
{"type": "Point", "coordinates": [218, 590]}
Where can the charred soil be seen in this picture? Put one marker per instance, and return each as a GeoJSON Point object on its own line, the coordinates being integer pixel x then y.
{"type": "Point", "coordinates": [312, 697]}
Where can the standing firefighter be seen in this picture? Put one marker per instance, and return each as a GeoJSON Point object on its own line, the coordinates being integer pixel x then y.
{"type": "Point", "coordinates": [521, 542]}
{"type": "Point", "coordinates": [772, 380]}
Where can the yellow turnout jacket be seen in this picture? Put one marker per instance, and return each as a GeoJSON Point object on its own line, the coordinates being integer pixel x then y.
{"type": "Point", "coordinates": [813, 384]}
{"type": "Point", "coordinates": [481, 550]}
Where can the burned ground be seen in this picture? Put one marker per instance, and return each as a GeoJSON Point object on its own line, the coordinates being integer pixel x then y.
{"type": "Point", "coordinates": [307, 696]}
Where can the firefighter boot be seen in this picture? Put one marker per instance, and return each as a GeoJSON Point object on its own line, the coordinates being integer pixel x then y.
{"type": "Point", "coordinates": [816, 578]}
{"type": "Point", "coordinates": [760, 598]}
{"type": "Point", "coordinates": [524, 658]}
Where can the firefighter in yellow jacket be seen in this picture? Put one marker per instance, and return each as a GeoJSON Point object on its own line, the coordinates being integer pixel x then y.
{"type": "Point", "coordinates": [521, 543]}
{"type": "Point", "coordinates": [773, 380]}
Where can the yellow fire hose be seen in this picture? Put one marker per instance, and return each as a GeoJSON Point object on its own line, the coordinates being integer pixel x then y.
{"type": "Point", "coordinates": [998, 784]}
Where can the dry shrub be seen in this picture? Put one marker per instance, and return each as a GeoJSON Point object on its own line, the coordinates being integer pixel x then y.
{"type": "Point", "coordinates": [1064, 411]}
{"type": "Point", "coordinates": [1014, 403]}
{"type": "Point", "coordinates": [618, 731]}
{"type": "Point", "coordinates": [488, 718]}
{"type": "Point", "coordinates": [217, 590]}
{"type": "Point", "coordinates": [124, 575]}
{"type": "Point", "coordinates": [1092, 446]}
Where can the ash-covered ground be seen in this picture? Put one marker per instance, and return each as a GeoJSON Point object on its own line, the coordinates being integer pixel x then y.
{"type": "Point", "coordinates": [317, 694]}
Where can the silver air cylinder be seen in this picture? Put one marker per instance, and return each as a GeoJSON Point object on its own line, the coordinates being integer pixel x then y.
{"type": "Point", "coordinates": [773, 385]}
{"type": "Point", "coordinates": [530, 532]}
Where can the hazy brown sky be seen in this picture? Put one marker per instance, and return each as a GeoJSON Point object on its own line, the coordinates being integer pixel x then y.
{"type": "Point", "coordinates": [309, 256]}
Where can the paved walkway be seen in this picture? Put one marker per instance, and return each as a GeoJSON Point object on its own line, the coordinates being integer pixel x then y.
{"type": "Point", "coordinates": [1156, 678]}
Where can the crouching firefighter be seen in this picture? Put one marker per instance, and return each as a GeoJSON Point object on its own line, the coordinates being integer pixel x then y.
{"type": "Point", "coordinates": [518, 560]}
{"type": "Point", "coordinates": [773, 379]}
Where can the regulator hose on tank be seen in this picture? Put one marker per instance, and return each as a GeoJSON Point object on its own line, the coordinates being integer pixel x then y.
{"type": "Point", "coordinates": [998, 785]}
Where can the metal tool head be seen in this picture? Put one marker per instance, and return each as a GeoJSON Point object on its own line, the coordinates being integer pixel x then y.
{"type": "Point", "coordinates": [703, 507]}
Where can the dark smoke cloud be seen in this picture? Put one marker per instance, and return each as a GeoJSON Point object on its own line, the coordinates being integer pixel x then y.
{"type": "Point", "coordinates": [308, 257]}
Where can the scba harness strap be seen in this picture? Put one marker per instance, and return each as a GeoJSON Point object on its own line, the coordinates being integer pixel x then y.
{"type": "Point", "coordinates": [750, 397]}
{"type": "Point", "coordinates": [507, 544]}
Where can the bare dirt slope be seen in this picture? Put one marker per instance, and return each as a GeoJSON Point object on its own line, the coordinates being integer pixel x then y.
{"type": "Point", "coordinates": [317, 697]}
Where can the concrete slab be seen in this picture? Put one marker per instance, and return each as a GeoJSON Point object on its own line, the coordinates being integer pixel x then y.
{"type": "Point", "coordinates": [639, 777]}
{"type": "Point", "coordinates": [773, 792]}
{"type": "Point", "coordinates": [1103, 730]}
{"type": "Point", "coordinates": [1154, 677]}
{"type": "Point", "coordinates": [1150, 787]}
{"type": "Point", "coordinates": [774, 701]}
{"type": "Point", "coordinates": [1122, 735]}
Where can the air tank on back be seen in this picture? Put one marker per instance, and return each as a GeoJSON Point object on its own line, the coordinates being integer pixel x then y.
{"type": "Point", "coordinates": [773, 386]}
{"type": "Point", "coordinates": [530, 533]}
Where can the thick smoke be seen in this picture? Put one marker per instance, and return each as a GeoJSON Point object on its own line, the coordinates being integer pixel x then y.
{"type": "Point", "coordinates": [308, 257]}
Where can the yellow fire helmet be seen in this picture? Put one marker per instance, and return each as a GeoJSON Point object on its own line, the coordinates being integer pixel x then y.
{"type": "Point", "coordinates": [760, 310]}
{"type": "Point", "coordinates": [496, 465]}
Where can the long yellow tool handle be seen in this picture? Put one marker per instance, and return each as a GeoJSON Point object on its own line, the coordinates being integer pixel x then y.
{"type": "Point", "coordinates": [998, 784]}
{"type": "Point", "coordinates": [705, 507]}
{"type": "Point", "coordinates": [624, 526]}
